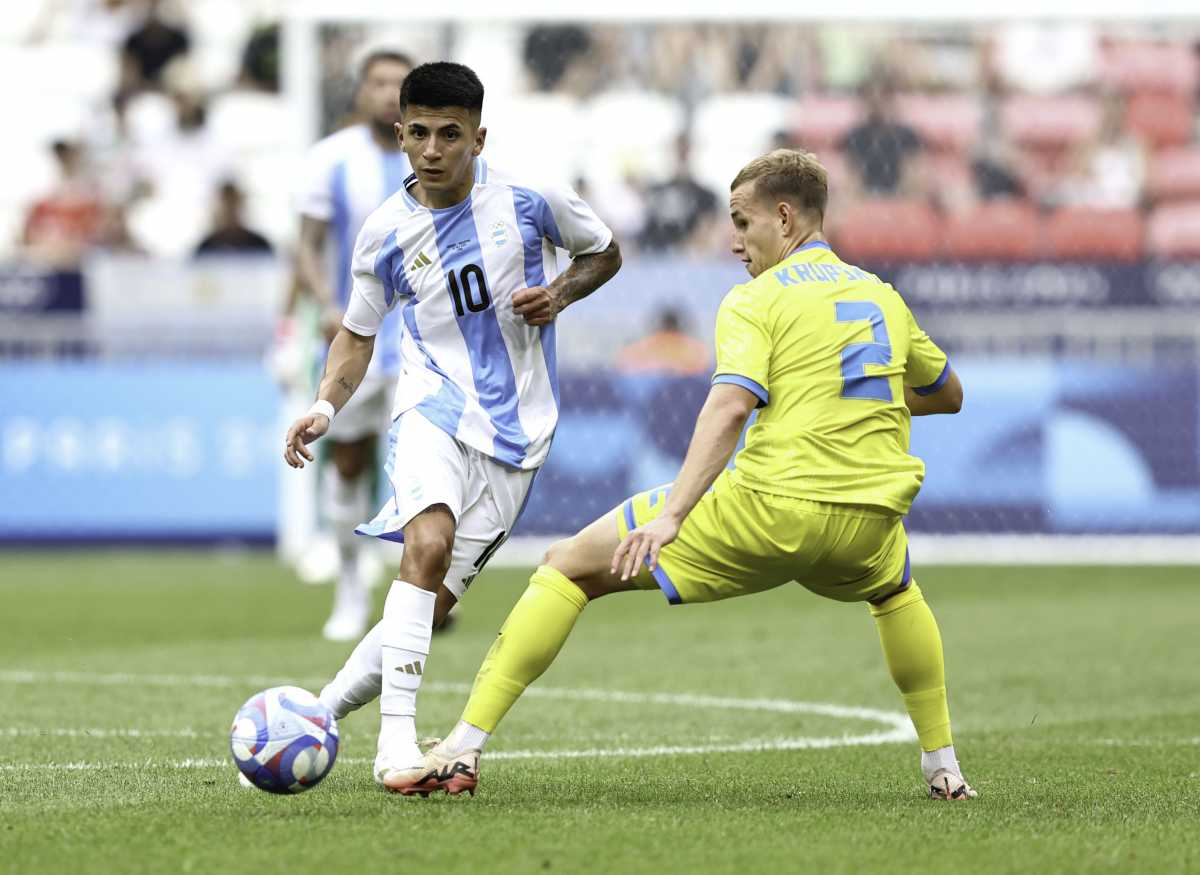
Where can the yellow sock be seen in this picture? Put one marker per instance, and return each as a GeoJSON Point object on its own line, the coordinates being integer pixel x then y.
{"type": "Point", "coordinates": [912, 647]}
{"type": "Point", "coordinates": [529, 640]}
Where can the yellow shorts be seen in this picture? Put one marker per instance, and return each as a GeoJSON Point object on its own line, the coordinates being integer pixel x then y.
{"type": "Point", "coordinates": [738, 541]}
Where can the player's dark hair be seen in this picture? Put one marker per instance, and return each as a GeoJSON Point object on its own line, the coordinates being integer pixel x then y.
{"type": "Point", "coordinates": [397, 57]}
{"type": "Point", "coordinates": [440, 84]}
{"type": "Point", "coordinates": [788, 175]}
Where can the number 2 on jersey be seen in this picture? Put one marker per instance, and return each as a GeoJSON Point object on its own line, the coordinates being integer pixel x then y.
{"type": "Point", "coordinates": [469, 284]}
{"type": "Point", "coordinates": [856, 356]}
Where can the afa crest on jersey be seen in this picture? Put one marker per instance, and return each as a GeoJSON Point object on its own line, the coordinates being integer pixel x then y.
{"type": "Point", "coordinates": [500, 234]}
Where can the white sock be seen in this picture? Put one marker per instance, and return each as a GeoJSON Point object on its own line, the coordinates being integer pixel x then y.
{"type": "Point", "coordinates": [358, 681]}
{"type": "Point", "coordinates": [347, 508]}
{"type": "Point", "coordinates": [407, 628]}
{"type": "Point", "coordinates": [465, 737]}
{"type": "Point", "coordinates": [943, 758]}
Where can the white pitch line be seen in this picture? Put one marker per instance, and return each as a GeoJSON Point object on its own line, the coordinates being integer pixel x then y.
{"type": "Point", "coordinates": [1147, 742]}
{"type": "Point", "coordinates": [755, 746]}
{"type": "Point", "coordinates": [898, 728]}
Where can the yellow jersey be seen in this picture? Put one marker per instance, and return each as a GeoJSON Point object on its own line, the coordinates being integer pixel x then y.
{"type": "Point", "coordinates": [828, 348]}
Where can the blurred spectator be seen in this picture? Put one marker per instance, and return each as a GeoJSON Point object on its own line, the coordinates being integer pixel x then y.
{"type": "Point", "coordinates": [994, 170]}
{"type": "Point", "coordinates": [150, 48]}
{"type": "Point", "coordinates": [880, 148]}
{"type": "Point", "coordinates": [1047, 57]}
{"type": "Point", "coordinates": [668, 350]}
{"type": "Point", "coordinates": [106, 23]}
{"type": "Point", "coordinates": [230, 234]}
{"type": "Point", "coordinates": [260, 59]}
{"type": "Point", "coordinates": [62, 225]}
{"type": "Point", "coordinates": [551, 49]}
{"type": "Point", "coordinates": [1107, 172]}
{"type": "Point", "coordinates": [679, 209]}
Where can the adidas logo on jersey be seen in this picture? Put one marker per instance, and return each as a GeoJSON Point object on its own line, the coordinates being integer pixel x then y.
{"type": "Point", "coordinates": [412, 668]}
{"type": "Point", "coordinates": [422, 260]}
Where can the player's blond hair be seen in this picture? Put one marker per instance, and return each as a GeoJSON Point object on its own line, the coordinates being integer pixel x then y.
{"type": "Point", "coordinates": [791, 175]}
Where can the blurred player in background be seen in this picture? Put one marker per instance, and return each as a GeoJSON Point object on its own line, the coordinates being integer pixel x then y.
{"type": "Point", "coordinates": [837, 365]}
{"type": "Point", "coordinates": [465, 255]}
{"type": "Point", "coordinates": [347, 175]}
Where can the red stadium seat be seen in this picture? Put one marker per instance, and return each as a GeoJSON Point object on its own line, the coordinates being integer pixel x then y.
{"type": "Point", "coordinates": [944, 121]}
{"type": "Point", "coordinates": [999, 230]}
{"type": "Point", "coordinates": [1174, 174]}
{"type": "Point", "coordinates": [1160, 119]}
{"type": "Point", "coordinates": [884, 230]}
{"type": "Point", "coordinates": [820, 122]}
{"type": "Point", "coordinates": [1174, 231]}
{"type": "Point", "coordinates": [1050, 121]}
{"type": "Point", "coordinates": [1138, 67]}
{"type": "Point", "coordinates": [1086, 233]}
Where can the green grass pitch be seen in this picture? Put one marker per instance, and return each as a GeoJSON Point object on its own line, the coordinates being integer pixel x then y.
{"type": "Point", "coordinates": [1075, 694]}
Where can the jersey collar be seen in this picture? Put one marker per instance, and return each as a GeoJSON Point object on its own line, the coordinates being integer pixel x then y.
{"type": "Point", "coordinates": [811, 244]}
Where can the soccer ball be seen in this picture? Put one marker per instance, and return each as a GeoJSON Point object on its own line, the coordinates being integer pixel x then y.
{"type": "Point", "coordinates": [284, 740]}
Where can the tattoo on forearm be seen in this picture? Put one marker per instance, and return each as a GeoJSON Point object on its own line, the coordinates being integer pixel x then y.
{"type": "Point", "coordinates": [345, 384]}
{"type": "Point", "coordinates": [587, 273]}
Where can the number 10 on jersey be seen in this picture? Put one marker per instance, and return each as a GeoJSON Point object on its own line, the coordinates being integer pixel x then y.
{"type": "Point", "coordinates": [469, 287]}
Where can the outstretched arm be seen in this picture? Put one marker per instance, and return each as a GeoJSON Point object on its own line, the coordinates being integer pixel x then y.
{"type": "Point", "coordinates": [947, 399]}
{"type": "Point", "coordinates": [717, 431]}
{"type": "Point", "coordinates": [349, 358]}
{"type": "Point", "coordinates": [586, 273]}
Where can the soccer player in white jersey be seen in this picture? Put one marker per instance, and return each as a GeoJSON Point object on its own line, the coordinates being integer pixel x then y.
{"type": "Point", "coordinates": [347, 175]}
{"type": "Point", "coordinates": [466, 255]}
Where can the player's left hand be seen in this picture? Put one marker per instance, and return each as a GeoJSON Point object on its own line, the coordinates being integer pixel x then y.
{"type": "Point", "coordinates": [643, 544]}
{"type": "Point", "coordinates": [538, 305]}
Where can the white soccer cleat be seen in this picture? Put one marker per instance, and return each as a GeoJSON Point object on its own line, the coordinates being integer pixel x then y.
{"type": "Point", "coordinates": [948, 786]}
{"type": "Point", "coordinates": [438, 770]}
{"type": "Point", "coordinates": [345, 624]}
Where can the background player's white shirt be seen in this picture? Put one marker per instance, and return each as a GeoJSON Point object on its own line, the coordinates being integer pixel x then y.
{"type": "Point", "coordinates": [347, 176]}
{"type": "Point", "coordinates": [471, 365]}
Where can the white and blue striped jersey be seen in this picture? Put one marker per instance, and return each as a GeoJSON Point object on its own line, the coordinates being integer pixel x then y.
{"type": "Point", "coordinates": [347, 176]}
{"type": "Point", "coordinates": [470, 365]}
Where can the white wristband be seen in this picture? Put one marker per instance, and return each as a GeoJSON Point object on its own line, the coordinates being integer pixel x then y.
{"type": "Point", "coordinates": [322, 407]}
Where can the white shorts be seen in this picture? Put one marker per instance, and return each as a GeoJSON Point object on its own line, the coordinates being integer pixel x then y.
{"type": "Point", "coordinates": [426, 466]}
{"type": "Point", "coordinates": [366, 413]}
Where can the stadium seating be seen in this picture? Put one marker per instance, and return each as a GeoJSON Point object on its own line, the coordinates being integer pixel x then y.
{"type": "Point", "coordinates": [245, 122]}
{"type": "Point", "coordinates": [1084, 233]}
{"type": "Point", "coordinates": [1050, 121]}
{"type": "Point", "coordinates": [944, 121]}
{"type": "Point", "coordinates": [996, 230]}
{"type": "Point", "coordinates": [657, 120]}
{"type": "Point", "coordinates": [1161, 119]}
{"type": "Point", "coordinates": [1174, 174]}
{"type": "Point", "coordinates": [1157, 67]}
{"type": "Point", "coordinates": [884, 229]}
{"type": "Point", "coordinates": [818, 123]}
{"type": "Point", "coordinates": [1174, 231]}
{"type": "Point", "coordinates": [557, 117]}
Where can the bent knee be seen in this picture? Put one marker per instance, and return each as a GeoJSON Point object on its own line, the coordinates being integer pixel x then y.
{"type": "Point", "coordinates": [430, 552]}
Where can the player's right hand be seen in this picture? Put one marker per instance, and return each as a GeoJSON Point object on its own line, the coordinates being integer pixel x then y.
{"type": "Point", "coordinates": [304, 430]}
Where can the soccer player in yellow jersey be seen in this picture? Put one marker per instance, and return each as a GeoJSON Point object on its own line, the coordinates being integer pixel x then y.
{"type": "Point", "coordinates": [836, 365]}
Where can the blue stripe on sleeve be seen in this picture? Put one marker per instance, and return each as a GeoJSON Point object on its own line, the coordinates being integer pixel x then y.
{"type": "Point", "coordinates": [343, 234]}
{"type": "Point", "coordinates": [764, 397]}
{"type": "Point", "coordinates": [936, 384]}
{"type": "Point", "coordinates": [531, 221]}
{"type": "Point", "coordinates": [541, 214]}
{"type": "Point", "coordinates": [491, 368]}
